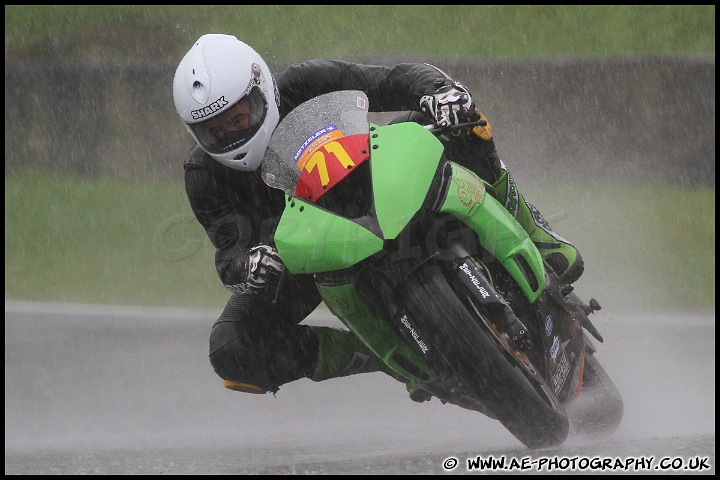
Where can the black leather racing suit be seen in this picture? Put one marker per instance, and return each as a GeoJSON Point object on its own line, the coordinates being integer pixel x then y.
{"type": "Point", "coordinates": [256, 340]}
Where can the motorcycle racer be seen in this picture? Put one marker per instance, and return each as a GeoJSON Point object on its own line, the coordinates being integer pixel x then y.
{"type": "Point", "coordinates": [231, 103]}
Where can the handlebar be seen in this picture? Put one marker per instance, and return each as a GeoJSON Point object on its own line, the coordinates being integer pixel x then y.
{"type": "Point", "coordinates": [432, 128]}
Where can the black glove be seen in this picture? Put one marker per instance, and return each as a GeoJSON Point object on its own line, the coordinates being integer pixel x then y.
{"type": "Point", "coordinates": [449, 105]}
{"type": "Point", "coordinates": [264, 266]}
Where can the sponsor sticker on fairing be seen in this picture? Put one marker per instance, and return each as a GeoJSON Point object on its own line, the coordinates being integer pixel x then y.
{"type": "Point", "coordinates": [548, 325]}
{"type": "Point", "coordinates": [414, 334]}
{"type": "Point", "coordinates": [561, 373]}
{"type": "Point", "coordinates": [313, 142]}
{"type": "Point", "coordinates": [555, 347]}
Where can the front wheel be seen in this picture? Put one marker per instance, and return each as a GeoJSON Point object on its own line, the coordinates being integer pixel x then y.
{"type": "Point", "coordinates": [479, 361]}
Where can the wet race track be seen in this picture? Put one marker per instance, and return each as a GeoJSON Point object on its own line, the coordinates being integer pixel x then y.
{"type": "Point", "coordinates": [105, 390]}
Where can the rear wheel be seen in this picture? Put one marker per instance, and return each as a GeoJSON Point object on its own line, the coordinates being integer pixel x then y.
{"type": "Point", "coordinates": [599, 408]}
{"type": "Point", "coordinates": [482, 361]}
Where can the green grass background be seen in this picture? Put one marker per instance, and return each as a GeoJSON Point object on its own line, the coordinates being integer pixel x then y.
{"type": "Point", "coordinates": [290, 33]}
{"type": "Point", "coordinates": [102, 240]}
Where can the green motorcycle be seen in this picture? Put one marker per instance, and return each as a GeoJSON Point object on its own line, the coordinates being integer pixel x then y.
{"type": "Point", "coordinates": [417, 258]}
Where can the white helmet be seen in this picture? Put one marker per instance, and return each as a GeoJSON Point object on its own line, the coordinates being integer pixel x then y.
{"type": "Point", "coordinates": [222, 86]}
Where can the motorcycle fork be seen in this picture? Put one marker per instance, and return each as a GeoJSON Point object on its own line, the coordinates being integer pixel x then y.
{"type": "Point", "coordinates": [476, 281]}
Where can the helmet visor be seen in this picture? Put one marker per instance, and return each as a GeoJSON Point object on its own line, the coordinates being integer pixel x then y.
{"type": "Point", "coordinates": [233, 127]}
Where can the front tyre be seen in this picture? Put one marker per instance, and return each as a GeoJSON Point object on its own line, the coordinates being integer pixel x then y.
{"type": "Point", "coordinates": [481, 363]}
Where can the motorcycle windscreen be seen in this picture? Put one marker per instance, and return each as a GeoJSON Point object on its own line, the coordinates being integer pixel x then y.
{"type": "Point", "coordinates": [323, 163]}
{"type": "Point", "coordinates": [311, 123]}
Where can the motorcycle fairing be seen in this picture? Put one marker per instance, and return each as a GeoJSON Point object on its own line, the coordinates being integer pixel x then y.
{"type": "Point", "coordinates": [402, 154]}
{"type": "Point", "coordinates": [310, 239]}
{"type": "Point", "coordinates": [345, 302]}
{"type": "Point", "coordinates": [314, 240]}
{"type": "Point", "coordinates": [499, 233]}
